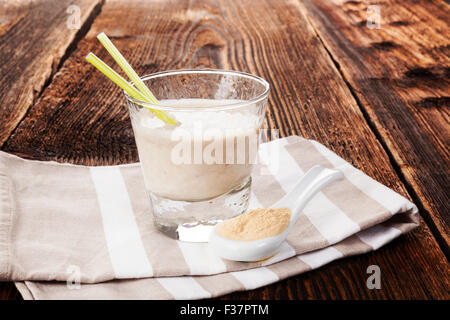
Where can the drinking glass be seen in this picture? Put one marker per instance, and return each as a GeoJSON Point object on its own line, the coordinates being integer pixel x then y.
{"type": "Point", "coordinates": [198, 172]}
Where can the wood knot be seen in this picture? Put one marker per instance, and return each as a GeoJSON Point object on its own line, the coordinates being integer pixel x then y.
{"type": "Point", "coordinates": [400, 23]}
{"type": "Point", "coordinates": [151, 66]}
{"type": "Point", "coordinates": [121, 37]}
{"type": "Point", "coordinates": [430, 73]}
{"type": "Point", "coordinates": [209, 55]}
{"type": "Point", "coordinates": [362, 23]}
{"type": "Point", "coordinates": [385, 45]}
{"type": "Point", "coordinates": [352, 2]}
{"type": "Point", "coordinates": [433, 102]}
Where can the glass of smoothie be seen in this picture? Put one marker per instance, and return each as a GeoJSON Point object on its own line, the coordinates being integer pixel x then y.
{"type": "Point", "coordinates": [197, 173]}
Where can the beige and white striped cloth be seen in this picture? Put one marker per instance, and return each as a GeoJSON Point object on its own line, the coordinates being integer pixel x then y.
{"type": "Point", "coordinates": [61, 223]}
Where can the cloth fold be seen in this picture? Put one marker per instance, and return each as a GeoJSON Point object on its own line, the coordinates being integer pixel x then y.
{"type": "Point", "coordinates": [62, 224]}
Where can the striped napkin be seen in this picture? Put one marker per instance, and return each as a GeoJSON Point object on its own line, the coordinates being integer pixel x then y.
{"type": "Point", "coordinates": [76, 232]}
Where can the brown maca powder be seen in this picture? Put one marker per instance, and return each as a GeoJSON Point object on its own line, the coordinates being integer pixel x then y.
{"type": "Point", "coordinates": [255, 224]}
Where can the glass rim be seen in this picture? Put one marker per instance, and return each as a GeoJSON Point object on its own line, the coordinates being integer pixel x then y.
{"type": "Point", "coordinates": [226, 106]}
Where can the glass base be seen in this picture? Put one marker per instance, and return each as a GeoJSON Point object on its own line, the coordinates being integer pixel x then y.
{"type": "Point", "coordinates": [193, 221]}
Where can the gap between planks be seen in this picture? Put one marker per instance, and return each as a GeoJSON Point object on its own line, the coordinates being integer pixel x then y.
{"type": "Point", "coordinates": [81, 33]}
{"type": "Point", "coordinates": [409, 188]}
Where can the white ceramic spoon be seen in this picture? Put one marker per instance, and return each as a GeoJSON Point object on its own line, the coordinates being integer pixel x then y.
{"type": "Point", "coordinates": [313, 181]}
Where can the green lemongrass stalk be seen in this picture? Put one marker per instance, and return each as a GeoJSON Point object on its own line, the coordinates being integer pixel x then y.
{"type": "Point", "coordinates": [127, 87]}
{"type": "Point", "coordinates": [126, 67]}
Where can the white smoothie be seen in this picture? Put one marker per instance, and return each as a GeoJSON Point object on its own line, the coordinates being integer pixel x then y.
{"type": "Point", "coordinates": [208, 154]}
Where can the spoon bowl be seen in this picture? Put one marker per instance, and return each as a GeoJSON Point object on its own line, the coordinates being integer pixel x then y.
{"type": "Point", "coordinates": [246, 250]}
{"type": "Point", "coordinates": [312, 182]}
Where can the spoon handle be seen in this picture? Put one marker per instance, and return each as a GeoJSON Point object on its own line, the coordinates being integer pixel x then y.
{"type": "Point", "coordinates": [312, 182]}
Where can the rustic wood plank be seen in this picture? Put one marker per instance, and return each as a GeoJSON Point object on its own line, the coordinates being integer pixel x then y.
{"type": "Point", "coordinates": [82, 118]}
{"type": "Point", "coordinates": [401, 75]}
{"type": "Point", "coordinates": [34, 36]}
{"type": "Point", "coordinates": [346, 279]}
{"type": "Point", "coordinates": [8, 291]}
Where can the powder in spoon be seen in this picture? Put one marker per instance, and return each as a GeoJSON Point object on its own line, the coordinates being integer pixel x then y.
{"type": "Point", "coordinates": [255, 224]}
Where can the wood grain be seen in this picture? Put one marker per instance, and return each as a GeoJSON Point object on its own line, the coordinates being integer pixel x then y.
{"type": "Point", "coordinates": [346, 279]}
{"type": "Point", "coordinates": [401, 75]}
{"type": "Point", "coordinates": [34, 36]}
{"type": "Point", "coordinates": [8, 291]}
{"type": "Point", "coordinates": [81, 117]}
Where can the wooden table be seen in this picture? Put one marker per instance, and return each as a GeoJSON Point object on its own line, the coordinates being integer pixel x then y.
{"type": "Point", "coordinates": [378, 97]}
